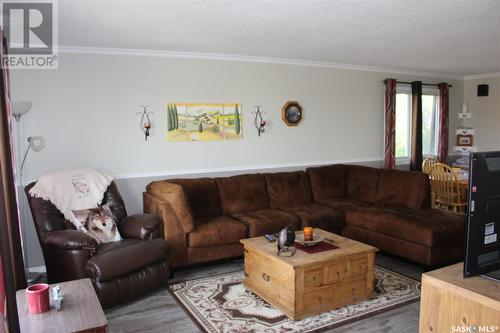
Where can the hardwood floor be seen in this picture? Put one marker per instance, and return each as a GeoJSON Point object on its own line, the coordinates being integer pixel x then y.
{"type": "Point", "coordinates": [159, 312]}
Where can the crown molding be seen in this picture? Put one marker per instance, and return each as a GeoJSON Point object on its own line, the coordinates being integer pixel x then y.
{"type": "Point", "coordinates": [481, 76]}
{"type": "Point", "coordinates": [243, 58]}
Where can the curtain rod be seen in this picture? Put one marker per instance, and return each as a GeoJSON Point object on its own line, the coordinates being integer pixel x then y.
{"type": "Point", "coordinates": [424, 84]}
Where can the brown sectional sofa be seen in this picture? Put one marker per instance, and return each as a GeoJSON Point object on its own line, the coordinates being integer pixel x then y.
{"type": "Point", "coordinates": [205, 218]}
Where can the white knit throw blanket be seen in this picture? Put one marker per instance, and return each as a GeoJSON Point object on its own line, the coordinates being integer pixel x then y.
{"type": "Point", "coordinates": [73, 189]}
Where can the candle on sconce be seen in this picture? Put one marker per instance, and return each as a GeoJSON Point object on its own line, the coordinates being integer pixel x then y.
{"type": "Point", "coordinates": [145, 121]}
{"type": "Point", "coordinates": [308, 233]}
{"type": "Point", "coordinates": [465, 107]}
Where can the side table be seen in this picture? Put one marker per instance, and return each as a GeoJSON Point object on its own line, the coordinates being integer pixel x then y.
{"type": "Point", "coordinates": [81, 311]}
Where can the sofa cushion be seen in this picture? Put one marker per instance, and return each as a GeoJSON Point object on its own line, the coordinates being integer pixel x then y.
{"type": "Point", "coordinates": [328, 182]}
{"type": "Point", "coordinates": [428, 227]}
{"type": "Point", "coordinates": [202, 196]}
{"type": "Point", "coordinates": [287, 189]}
{"type": "Point", "coordinates": [425, 255]}
{"type": "Point", "coordinates": [242, 193]}
{"type": "Point", "coordinates": [362, 183]}
{"type": "Point", "coordinates": [404, 189]}
{"type": "Point", "coordinates": [318, 216]}
{"type": "Point", "coordinates": [115, 259]}
{"type": "Point", "coordinates": [267, 221]}
{"type": "Point", "coordinates": [344, 204]}
{"type": "Point", "coordinates": [216, 231]}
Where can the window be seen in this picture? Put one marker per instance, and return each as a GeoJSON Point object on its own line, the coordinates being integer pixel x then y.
{"type": "Point", "coordinates": [430, 122]}
{"type": "Point", "coordinates": [403, 125]}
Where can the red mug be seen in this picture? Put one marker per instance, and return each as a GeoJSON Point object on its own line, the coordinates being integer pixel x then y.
{"type": "Point", "coordinates": [38, 298]}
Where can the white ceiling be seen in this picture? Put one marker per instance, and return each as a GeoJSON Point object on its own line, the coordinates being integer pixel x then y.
{"type": "Point", "coordinates": [453, 37]}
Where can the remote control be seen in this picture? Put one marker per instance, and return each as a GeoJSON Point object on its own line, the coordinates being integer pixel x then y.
{"type": "Point", "coordinates": [270, 237]}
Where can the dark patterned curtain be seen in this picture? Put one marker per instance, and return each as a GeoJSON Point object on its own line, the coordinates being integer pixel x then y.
{"type": "Point", "coordinates": [390, 124]}
{"type": "Point", "coordinates": [10, 242]}
{"type": "Point", "coordinates": [443, 122]}
{"type": "Point", "coordinates": [416, 126]}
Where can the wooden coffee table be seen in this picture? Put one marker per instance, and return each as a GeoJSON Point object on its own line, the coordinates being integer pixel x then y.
{"type": "Point", "coordinates": [81, 311]}
{"type": "Point", "coordinates": [308, 284]}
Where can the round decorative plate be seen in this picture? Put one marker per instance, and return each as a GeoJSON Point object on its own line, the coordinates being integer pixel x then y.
{"type": "Point", "coordinates": [316, 239]}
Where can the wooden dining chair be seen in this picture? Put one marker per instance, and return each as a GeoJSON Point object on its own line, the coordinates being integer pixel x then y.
{"type": "Point", "coordinates": [445, 184]}
{"type": "Point", "coordinates": [427, 164]}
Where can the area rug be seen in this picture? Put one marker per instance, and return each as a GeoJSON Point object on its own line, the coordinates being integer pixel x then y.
{"type": "Point", "coordinates": [222, 304]}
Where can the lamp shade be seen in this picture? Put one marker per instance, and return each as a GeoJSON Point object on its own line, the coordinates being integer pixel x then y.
{"type": "Point", "coordinates": [36, 143]}
{"type": "Point", "coordinates": [20, 107]}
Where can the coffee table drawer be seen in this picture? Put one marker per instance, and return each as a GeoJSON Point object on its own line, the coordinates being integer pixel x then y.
{"type": "Point", "coordinates": [317, 297]}
{"type": "Point", "coordinates": [314, 278]}
{"type": "Point", "coordinates": [359, 267]}
{"type": "Point", "coordinates": [336, 272]}
{"type": "Point", "coordinates": [351, 291]}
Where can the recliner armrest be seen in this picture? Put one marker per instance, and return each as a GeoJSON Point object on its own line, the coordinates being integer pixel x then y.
{"type": "Point", "coordinates": [140, 226]}
{"type": "Point", "coordinates": [71, 240]}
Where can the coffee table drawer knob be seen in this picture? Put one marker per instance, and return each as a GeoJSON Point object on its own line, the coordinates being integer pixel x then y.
{"type": "Point", "coordinates": [266, 277]}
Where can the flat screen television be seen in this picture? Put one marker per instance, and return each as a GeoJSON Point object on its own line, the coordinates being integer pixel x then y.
{"type": "Point", "coordinates": [482, 241]}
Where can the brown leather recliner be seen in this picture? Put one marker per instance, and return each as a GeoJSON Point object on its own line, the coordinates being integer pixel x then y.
{"type": "Point", "coordinates": [120, 271]}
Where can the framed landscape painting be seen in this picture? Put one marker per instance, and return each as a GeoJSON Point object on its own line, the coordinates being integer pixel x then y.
{"type": "Point", "coordinates": [203, 121]}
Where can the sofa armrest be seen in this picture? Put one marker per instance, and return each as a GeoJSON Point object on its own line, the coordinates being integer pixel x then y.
{"type": "Point", "coordinates": [173, 231]}
{"type": "Point", "coordinates": [140, 226]}
{"type": "Point", "coordinates": [71, 240]}
{"type": "Point", "coordinates": [174, 195]}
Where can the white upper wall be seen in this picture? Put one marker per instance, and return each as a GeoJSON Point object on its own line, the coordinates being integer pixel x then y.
{"type": "Point", "coordinates": [86, 110]}
{"type": "Point", "coordinates": [485, 112]}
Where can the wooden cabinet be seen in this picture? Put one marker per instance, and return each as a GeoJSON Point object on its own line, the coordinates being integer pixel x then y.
{"type": "Point", "coordinates": [451, 303]}
{"type": "Point", "coordinates": [308, 284]}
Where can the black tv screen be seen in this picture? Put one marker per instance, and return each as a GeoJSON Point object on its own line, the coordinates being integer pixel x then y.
{"type": "Point", "coordinates": [482, 242]}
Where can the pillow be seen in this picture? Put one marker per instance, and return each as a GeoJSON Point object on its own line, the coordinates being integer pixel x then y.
{"type": "Point", "coordinates": [98, 223]}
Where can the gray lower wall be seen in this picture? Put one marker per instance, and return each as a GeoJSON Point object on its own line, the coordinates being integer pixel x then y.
{"type": "Point", "coordinates": [131, 189]}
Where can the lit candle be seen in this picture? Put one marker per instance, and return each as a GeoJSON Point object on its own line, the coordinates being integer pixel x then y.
{"type": "Point", "coordinates": [308, 233]}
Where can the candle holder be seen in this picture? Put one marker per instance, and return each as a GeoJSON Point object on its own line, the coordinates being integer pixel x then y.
{"type": "Point", "coordinates": [145, 122]}
{"type": "Point", "coordinates": [259, 122]}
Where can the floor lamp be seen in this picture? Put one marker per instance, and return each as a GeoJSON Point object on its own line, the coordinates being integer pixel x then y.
{"type": "Point", "coordinates": [19, 108]}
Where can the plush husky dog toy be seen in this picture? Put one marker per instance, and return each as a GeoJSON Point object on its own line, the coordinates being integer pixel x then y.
{"type": "Point", "coordinates": [100, 225]}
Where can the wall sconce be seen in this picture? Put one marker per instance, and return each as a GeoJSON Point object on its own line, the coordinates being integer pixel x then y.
{"type": "Point", "coordinates": [259, 122]}
{"type": "Point", "coordinates": [145, 123]}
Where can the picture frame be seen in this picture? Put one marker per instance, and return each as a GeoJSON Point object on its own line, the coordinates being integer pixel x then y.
{"type": "Point", "coordinates": [292, 113]}
{"type": "Point", "coordinates": [465, 140]}
{"type": "Point", "coordinates": [204, 122]}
